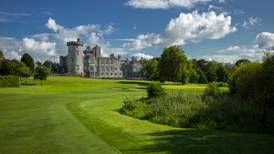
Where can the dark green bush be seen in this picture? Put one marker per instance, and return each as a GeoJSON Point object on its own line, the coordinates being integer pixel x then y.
{"type": "Point", "coordinates": [212, 89]}
{"type": "Point", "coordinates": [175, 109]}
{"type": "Point", "coordinates": [134, 107]}
{"type": "Point", "coordinates": [9, 81]}
{"type": "Point", "coordinates": [155, 90]}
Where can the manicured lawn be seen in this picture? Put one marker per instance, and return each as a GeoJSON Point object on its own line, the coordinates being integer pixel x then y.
{"type": "Point", "coordinates": [77, 115]}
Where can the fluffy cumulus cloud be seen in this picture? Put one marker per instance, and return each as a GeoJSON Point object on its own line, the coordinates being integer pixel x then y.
{"type": "Point", "coordinates": [91, 34]}
{"type": "Point", "coordinates": [53, 26]}
{"type": "Point", "coordinates": [164, 4]}
{"type": "Point", "coordinates": [265, 40]}
{"type": "Point", "coordinates": [14, 48]}
{"type": "Point", "coordinates": [140, 55]}
{"type": "Point", "coordinates": [187, 27]}
{"type": "Point", "coordinates": [45, 46]}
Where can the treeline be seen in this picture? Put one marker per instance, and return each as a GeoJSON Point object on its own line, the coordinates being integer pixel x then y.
{"type": "Point", "coordinates": [173, 65]}
{"type": "Point", "coordinates": [11, 71]}
{"type": "Point", "coordinates": [248, 106]}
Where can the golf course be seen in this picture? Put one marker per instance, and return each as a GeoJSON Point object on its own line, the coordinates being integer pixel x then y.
{"type": "Point", "coordinates": [81, 115]}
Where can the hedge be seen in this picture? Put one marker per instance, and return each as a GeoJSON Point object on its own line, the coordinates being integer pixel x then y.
{"type": "Point", "coordinates": [9, 81]}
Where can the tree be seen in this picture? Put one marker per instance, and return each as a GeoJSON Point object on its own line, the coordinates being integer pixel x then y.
{"type": "Point", "coordinates": [23, 71]}
{"type": "Point", "coordinates": [242, 61]}
{"type": "Point", "coordinates": [41, 73]}
{"type": "Point", "coordinates": [28, 60]}
{"type": "Point", "coordinates": [244, 81]}
{"type": "Point", "coordinates": [151, 69]}
{"type": "Point", "coordinates": [52, 66]}
{"type": "Point", "coordinates": [210, 70]}
{"type": "Point", "coordinates": [1, 60]}
{"type": "Point", "coordinates": [1, 55]}
{"type": "Point", "coordinates": [172, 63]}
{"type": "Point", "coordinates": [222, 73]}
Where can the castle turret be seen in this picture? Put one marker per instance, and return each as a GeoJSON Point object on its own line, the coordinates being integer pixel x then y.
{"type": "Point", "coordinates": [97, 51]}
{"type": "Point", "coordinates": [75, 58]}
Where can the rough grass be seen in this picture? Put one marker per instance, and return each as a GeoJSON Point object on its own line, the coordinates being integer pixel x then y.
{"type": "Point", "coordinates": [76, 115]}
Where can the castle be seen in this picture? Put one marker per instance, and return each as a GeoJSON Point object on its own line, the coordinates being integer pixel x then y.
{"type": "Point", "coordinates": [90, 63]}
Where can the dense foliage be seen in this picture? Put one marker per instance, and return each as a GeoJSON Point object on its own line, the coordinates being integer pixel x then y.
{"type": "Point", "coordinates": [155, 90]}
{"type": "Point", "coordinates": [52, 66]}
{"type": "Point", "coordinates": [41, 73]}
{"type": "Point", "coordinates": [249, 106]}
{"type": "Point", "coordinates": [28, 60]}
{"type": "Point", "coordinates": [14, 67]}
{"type": "Point", "coordinates": [172, 63]}
{"type": "Point", "coordinates": [9, 81]}
{"type": "Point", "coordinates": [150, 69]}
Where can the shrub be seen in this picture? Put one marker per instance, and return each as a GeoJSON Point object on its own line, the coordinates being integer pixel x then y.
{"type": "Point", "coordinates": [175, 109]}
{"type": "Point", "coordinates": [244, 81]}
{"type": "Point", "coordinates": [212, 89]}
{"type": "Point", "coordinates": [9, 81]}
{"type": "Point", "coordinates": [155, 90]}
{"type": "Point", "coordinates": [134, 107]}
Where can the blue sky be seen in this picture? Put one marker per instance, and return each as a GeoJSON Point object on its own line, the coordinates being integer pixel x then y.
{"type": "Point", "coordinates": [223, 30]}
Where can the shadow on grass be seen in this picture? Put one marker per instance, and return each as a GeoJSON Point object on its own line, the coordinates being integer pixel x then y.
{"type": "Point", "coordinates": [208, 141]}
{"type": "Point", "coordinates": [140, 83]}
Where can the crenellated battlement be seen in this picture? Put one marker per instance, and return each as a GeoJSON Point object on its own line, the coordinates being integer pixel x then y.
{"type": "Point", "coordinates": [75, 43]}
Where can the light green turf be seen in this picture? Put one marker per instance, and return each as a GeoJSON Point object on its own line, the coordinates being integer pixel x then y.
{"type": "Point", "coordinates": [77, 115]}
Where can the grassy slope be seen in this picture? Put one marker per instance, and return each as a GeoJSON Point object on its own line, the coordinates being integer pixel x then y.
{"type": "Point", "coordinates": [75, 115]}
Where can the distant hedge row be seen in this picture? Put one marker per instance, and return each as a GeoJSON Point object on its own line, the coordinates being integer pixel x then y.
{"type": "Point", "coordinates": [9, 81]}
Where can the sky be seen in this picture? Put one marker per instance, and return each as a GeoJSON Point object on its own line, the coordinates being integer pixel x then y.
{"type": "Point", "coordinates": [222, 30]}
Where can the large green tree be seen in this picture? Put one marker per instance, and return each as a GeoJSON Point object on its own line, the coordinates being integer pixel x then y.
{"type": "Point", "coordinates": [52, 66]}
{"type": "Point", "coordinates": [151, 69]}
{"type": "Point", "coordinates": [242, 61]}
{"type": "Point", "coordinates": [41, 73]}
{"type": "Point", "coordinates": [15, 67]}
{"type": "Point", "coordinates": [172, 63]}
{"type": "Point", "coordinates": [222, 73]}
{"type": "Point", "coordinates": [28, 60]}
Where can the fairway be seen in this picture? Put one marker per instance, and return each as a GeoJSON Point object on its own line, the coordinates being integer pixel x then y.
{"type": "Point", "coordinates": [79, 115]}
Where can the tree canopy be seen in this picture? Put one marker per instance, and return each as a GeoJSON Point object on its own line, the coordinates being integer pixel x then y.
{"type": "Point", "coordinates": [171, 64]}
{"type": "Point", "coordinates": [28, 60]}
{"type": "Point", "coordinates": [41, 73]}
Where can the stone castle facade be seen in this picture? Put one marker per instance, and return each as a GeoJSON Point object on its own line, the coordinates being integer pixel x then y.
{"type": "Point", "coordinates": [90, 63]}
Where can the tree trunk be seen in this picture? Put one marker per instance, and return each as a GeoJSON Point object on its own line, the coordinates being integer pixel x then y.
{"type": "Point", "coordinates": [41, 82]}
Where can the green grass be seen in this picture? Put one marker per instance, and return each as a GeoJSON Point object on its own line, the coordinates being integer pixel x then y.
{"type": "Point", "coordinates": [77, 115]}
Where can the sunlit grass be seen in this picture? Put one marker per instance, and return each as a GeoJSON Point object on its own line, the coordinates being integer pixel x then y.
{"type": "Point", "coordinates": [79, 115]}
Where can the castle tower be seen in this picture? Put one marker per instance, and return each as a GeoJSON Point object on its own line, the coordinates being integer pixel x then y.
{"type": "Point", "coordinates": [75, 58]}
{"type": "Point", "coordinates": [97, 51]}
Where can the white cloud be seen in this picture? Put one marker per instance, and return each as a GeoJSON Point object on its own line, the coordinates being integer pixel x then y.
{"type": "Point", "coordinates": [264, 43]}
{"type": "Point", "coordinates": [51, 24]}
{"type": "Point", "coordinates": [251, 22]}
{"type": "Point", "coordinates": [187, 27]}
{"type": "Point", "coordinates": [91, 34]}
{"type": "Point", "coordinates": [164, 4]}
{"type": "Point", "coordinates": [39, 48]}
{"type": "Point", "coordinates": [140, 55]}
{"type": "Point", "coordinates": [265, 40]}
{"type": "Point", "coordinates": [222, 1]}
{"type": "Point", "coordinates": [45, 46]}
